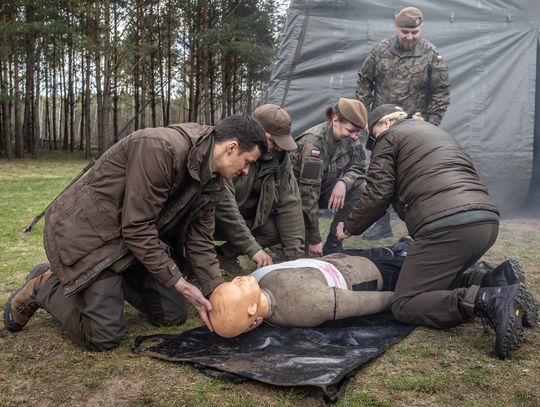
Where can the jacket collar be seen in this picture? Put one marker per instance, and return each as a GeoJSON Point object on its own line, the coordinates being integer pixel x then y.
{"type": "Point", "coordinates": [397, 49]}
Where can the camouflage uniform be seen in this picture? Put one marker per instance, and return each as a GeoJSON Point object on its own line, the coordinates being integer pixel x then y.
{"type": "Point", "coordinates": [416, 80]}
{"type": "Point", "coordinates": [262, 208]}
{"type": "Point", "coordinates": [318, 164]}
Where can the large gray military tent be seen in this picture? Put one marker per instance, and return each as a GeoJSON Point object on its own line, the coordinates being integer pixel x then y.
{"type": "Point", "coordinates": [490, 46]}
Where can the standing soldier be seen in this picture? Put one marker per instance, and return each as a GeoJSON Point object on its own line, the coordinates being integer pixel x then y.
{"type": "Point", "coordinates": [263, 208]}
{"type": "Point", "coordinates": [330, 165]}
{"type": "Point", "coordinates": [408, 71]}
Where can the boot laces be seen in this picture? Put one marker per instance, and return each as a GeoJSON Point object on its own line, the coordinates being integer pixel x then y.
{"type": "Point", "coordinates": [27, 308]}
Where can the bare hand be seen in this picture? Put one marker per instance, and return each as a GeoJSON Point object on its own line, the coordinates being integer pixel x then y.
{"type": "Point", "coordinates": [315, 250]}
{"type": "Point", "coordinates": [337, 199]}
{"type": "Point", "coordinates": [194, 296]}
{"type": "Point", "coordinates": [340, 231]}
{"type": "Point", "coordinates": [261, 259]}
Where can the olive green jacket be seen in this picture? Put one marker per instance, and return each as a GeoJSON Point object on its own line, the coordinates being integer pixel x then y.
{"type": "Point", "coordinates": [318, 163]}
{"type": "Point", "coordinates": [268, 192]}
{"type": "Point", "coordinates": [417, 79]}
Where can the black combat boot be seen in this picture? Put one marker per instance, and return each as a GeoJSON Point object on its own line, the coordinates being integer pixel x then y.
{"type": "Point", "coordinates": [21, 305]}
{"type": "Point", "coordinates": [380, 229]}
{"type": "Point", "coordinates": [500, 308]}
{"type": "Point", "coordinates": [507, 273]}
{"type": "Point", "coordinates": [332, 245]}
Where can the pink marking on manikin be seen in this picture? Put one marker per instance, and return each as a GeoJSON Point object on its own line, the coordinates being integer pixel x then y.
{"type": "Point", "coordinates": [332, 273]}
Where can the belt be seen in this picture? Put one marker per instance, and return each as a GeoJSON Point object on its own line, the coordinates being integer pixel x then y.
{"type": "Point", "coordinates": [461, 218]}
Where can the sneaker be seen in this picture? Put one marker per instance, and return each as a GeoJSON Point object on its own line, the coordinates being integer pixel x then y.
{"type": "Point", "coordinates": [21, 306]}
{"type": "Point", "coordinates": [230, 264]}
{"type": "Point", "coordinates": [380, 229]}
{"type": "Point", "coordinates": [500, 308]}
{"type": "Point", "coordinates": [332, 245]}
{"type": "Point", "coordinates": [507, 273]}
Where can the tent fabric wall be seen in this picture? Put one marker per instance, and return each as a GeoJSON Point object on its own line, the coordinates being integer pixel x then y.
{"type": "Point", "coordinates": [491, 51]}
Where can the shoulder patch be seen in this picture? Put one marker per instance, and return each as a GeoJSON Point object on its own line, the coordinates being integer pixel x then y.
{"type": "Point", "coordinates": [315, 152]}
{"type": "Point", "coordinates": [439, 58]}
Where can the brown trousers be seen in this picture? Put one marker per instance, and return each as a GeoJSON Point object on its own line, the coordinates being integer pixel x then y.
{"type": "Point", "coordinates": [428, 291]}
{"type": "Point", "coordinates": [94, 317]}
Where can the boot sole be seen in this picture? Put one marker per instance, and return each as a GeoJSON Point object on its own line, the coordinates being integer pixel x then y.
{"type": "Point", "coordinates": [530, 307]}
{"type": "Point", "coordinates": [515, 274]}
{"type": "Point", "coordinates": [512, 337]}
{"type": "Point", "coordinates": [529, 303]}
{"type": "Point", "coordinates": [11, 325]}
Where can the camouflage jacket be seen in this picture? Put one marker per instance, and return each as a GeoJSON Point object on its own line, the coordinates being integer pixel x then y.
{"type": "Point", "coordinates": [318, 163]}
{"type": "Point", "coordinates": [417, 79]}
{"type": "Point", "coordinates": [268, 191]}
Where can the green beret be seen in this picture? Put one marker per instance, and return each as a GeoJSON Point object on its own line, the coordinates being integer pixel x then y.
{"type": "Point", "coordinates": [409, 17]}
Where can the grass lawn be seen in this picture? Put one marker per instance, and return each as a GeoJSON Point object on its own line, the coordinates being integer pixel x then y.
{"type": "Point", "coordinates": [39, 366]}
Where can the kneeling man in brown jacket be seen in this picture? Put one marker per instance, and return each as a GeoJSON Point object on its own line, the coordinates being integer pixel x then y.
{"type": "Point", "coordinates": [433, 186]}
{"type": "Point", "coordinates": [106, 236]}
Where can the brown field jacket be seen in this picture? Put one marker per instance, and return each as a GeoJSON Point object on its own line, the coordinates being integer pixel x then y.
{"type": "Point", "coordinates": [268, 193]}
{"type": "Point", "coordinates": [134, 192]}
{"type": "Point", "coordinates": [424, 173]}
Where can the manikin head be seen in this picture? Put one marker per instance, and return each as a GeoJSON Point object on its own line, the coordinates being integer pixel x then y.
{"type": "Point", "coordinates": [236, 305]}
{"type": "Point", "coordinates": [409, 26]}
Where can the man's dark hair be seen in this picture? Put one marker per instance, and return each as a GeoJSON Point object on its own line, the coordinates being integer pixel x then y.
{"type": "Point", "coordinates": [244, 128]}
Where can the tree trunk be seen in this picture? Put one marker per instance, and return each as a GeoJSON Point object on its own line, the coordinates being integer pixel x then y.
{"type": "Point", "coordinates": [47, 129]}
{"type": "Point", "coordinates": [54, 109]}
{"type": "Point", "coordinates": [29, 87]}
{"type": "Point", "coordinates": [64, 105]}
{"type": "Point", "coordinates": [36, 128]}
{"type": "Point", "coordinates": [205, 66]}
{"type": "Point", "coordinates": [87, 105]}
{"type": "Point", "coordinates": [18, 134]}
{"type": "Point", "coordinates": [5, 140]}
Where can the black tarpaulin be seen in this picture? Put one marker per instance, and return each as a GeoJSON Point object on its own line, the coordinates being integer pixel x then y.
{"type": "Point", "coordinates": [324, 357]}
{"type": "Point", "coordinates": [490, 47]}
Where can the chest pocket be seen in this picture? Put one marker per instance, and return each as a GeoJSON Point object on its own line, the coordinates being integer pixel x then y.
{"type": "Point", "coordinates": [383, 68]}
{"type": "Point", "coordinates": [342, 162]}
{"type": "Point", "coordinates": [418, 75]}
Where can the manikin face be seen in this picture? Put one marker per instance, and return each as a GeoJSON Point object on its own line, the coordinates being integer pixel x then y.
{"type": "Point", "coordinates": [408, 37]}
{"type": "Point", "coordinates": [235, 306]}
{"type": "Point", "coordinates": [345, 131]}
{"type": "Point", "coordinates": [234, 163]}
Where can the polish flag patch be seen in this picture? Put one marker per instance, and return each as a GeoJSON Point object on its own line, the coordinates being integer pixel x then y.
{"type": "Point", "coordinates": [315, 152]}
{"type": "Point", "coordinates": [439, 58]}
